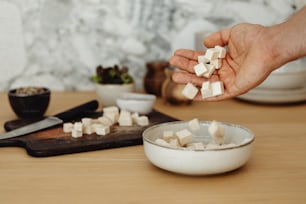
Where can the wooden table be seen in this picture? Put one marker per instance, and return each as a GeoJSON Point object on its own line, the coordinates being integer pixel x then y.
{"type": "Point", "coordinates": [276, 172]}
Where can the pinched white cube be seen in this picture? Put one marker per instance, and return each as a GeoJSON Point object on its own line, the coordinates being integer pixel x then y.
{"type": "Point", "coordinates": [206, 90]}
{"type": "Point", "coordinates": [211, 68]}
{"type": "Point", "coordinates": [217, 88]}
{"type": "Point", "coordinates": [102, 130]}
{"type": "Point", "coordinates": [194, 124]}
{"type": "Point", "coordinates": [67, 127]}
{"type": "Point", "coordinates": [202, 59]}
{"type": "Point", "coordinates": [76, 133]}
{"type": "Point", "coordinates": [217, 63]}
{"type": "Point", "coordinates": [200, 69]}
{"type": "Point", "coordinates": [190, 91]}
{"type": "Point", "coordinates": [168, 134]}
{"type": "Point", "coordinates": [212, 53]}
{"type": "Point", "coordinates": [184, 137]}
{"type": "Point", "coordinates": [162, 142]}
{"type": "Point", "coordinates": [142, 121]}
{"type": "Point", "coordinates": [221, 50]}
{"type": "Point", "coordinates": [217, 132]}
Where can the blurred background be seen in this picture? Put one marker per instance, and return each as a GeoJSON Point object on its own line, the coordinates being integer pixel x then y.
{"type": "Point", "coordinates": [59, 43]}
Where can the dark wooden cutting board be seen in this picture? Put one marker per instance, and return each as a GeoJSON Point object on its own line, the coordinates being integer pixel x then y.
{"type": "Point", "coordinates": [54, 141]}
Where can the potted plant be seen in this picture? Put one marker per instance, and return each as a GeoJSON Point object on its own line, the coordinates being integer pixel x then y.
{"type": "Point", "coordinates": [111, 82]}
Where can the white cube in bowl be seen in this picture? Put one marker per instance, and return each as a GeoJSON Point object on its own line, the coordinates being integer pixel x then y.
{"type": "Point", "coordinates": [210, 160]}
{"type": "Point", "coordinates": [136, 102]}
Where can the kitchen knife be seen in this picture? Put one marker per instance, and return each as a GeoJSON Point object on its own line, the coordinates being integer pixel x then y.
{"type": "Point", "coordinates": [52, 120]}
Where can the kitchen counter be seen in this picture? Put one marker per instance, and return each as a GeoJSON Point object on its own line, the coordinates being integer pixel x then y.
{"type": "Point", "coordinates": [276, 172]}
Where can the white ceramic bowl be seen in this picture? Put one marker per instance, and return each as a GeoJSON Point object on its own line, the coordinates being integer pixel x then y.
{"type": "Point", "coordinates": [136, 102]}
{"type": "Point", "coordinates": [289, 76]}
{"type": "Point", "coordinates": [199, 162]}
{"type": "Point", "coordinates": [108, 93]}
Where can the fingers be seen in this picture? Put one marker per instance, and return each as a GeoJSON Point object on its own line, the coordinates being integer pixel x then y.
{"type": "Point", "coordinates": [189, 54]}
{"type": "Point", "coordinates": [184, 78]}
{"type": "Point", "coordinates": [218, 38]}
{"type": "Point", "coordinates": [183, 63]}
{"type": "Point", "coordinates": [185, 59]}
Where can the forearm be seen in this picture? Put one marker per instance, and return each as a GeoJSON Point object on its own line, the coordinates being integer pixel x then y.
{"type": "Point", "coordinates": [288, 39]}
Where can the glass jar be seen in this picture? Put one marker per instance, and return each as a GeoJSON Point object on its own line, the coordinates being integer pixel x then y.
{"type": "Point", "coordinates": [155, 77]}
{"type": "Point", "coordinates": [172, 92]}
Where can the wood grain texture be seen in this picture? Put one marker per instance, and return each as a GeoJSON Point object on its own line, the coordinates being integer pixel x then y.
{"type": "Point", "coordinates": [275, 173]}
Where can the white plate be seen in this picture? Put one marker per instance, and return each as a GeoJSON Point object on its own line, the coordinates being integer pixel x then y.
{"type": "Point", "coordinates": [275, 96]}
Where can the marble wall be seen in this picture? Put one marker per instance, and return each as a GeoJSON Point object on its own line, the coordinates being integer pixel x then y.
{"type": "Point", "coordinates": [64, 40]}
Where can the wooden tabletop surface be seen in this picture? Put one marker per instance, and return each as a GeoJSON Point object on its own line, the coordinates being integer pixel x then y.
{"type": "Point", "coordinates": [276, 172]}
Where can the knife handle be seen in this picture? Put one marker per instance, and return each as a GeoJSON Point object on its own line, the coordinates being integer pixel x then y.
{"type": "Point", "coordinates": [77, 111]}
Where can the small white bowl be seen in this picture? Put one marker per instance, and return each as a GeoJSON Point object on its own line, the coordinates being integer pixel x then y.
{"type": "Point", "coordinates": [136, 102]}
{"type": "Point", "coordinates": [108, 93]}
{"type": "Point", "coordinates": [199, 162]}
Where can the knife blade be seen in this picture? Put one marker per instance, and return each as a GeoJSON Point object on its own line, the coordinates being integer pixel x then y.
{"type": "Point", "coordinates": [51, 121]}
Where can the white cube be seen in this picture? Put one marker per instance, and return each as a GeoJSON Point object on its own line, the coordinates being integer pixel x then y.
{"type": "Point", "coordinates": [110, 109]}
{"type": "Point", "coordinates": [221, 50]}
{"type": "Point", "coordinates": [202, 59]}
{"type": "Point", "coordinates": [105, 121]}
{"type": "Point", "coordinates": [162, 142]}
{"type": "Point", "coordinates": [190, 91]}
{"type": "Point", "coordinates": [217, 132]}
{"type": "Point", "coordinates": [87, 129]}
{"type": "Point", "coordinates": [102, 130]}
{"type": "Point", "coordinates": [125, 119]}
{"type": "Point", "coordinates": [211, 68]}
{"type": "Point", "coordinates": [76, 133]}
{"type": "Point", "coordinates": [184, 137]}
{"type": "Point", "coordinates": [196, 146]}
{"type": "Point", "coordinates": [78, 126]}
{"type": "Point", "coordinates": [200, 69]}
{"type": "Point", "coordinates": [212, 53]}
{"type": "Point", "coordinates": [67, 127]}
{"type": "Point", "coordinates": [217, 88]}
{"type": "Point", "coordinates": [168, 134]}
{"type": "Point", "coordinates": [194, 124]}
{"type": "Point", "coordinates": [217, 63]}
{"type": "Point", "coordinates": [206, 90]}
{"type": "Point", "coordinates": [86, 121]}
{"type": "Point", "coordinates": [142, 121]}
{"type": "Point", "coordinates": [173, 142]}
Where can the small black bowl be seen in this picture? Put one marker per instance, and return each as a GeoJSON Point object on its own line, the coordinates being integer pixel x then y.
{"type": "Point", "coordinates": [29, 102]}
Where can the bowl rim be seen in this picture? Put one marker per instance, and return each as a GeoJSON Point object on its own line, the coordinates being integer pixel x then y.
{"type": "Point", "coordinates": [134, 96]}
{"type": "Point", "coordinates": [200, 150]}
{"type": "Point", "coordinates": [115, 85]}
{"type": "Point", "coordinates": [12, 92]}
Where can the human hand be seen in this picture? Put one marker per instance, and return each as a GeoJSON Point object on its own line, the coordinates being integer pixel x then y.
{"type": "Point", "coordinates": [246, 65]}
